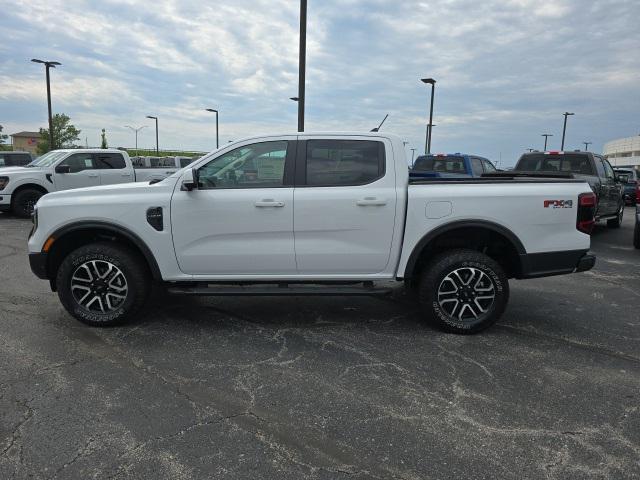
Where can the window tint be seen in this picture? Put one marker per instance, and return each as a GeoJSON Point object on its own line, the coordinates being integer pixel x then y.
{"type": "Point", "coordinates": [488, 166]}
{"type": "Point", "coordinates": [579, 163]}
{"type": "Point", "coordinates": [257, 165]}
{"type": "Point", "coordinates": [344, 162]}
{"type": "Point", "coordinates": [440, 163]}
{"type": "Point", "coordinates": [105, 161]}
{"type": "Point", "coordinates": [79, 162]}
{"type": "Point", "coordinates": [137, 162]}
{"type": "Point", "coordinates": [185, 161]}
{"type": "Point", "coordinates": [162, 162]}
{"type": "Point", "coordinates": [476, 167]}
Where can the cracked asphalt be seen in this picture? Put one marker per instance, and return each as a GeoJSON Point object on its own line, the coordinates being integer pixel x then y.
{"type": "Point", "coordinates": [325, 388]}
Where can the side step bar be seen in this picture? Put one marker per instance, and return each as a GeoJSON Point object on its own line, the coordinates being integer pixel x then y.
{"type": "Point", "coordinates": [278, 290]}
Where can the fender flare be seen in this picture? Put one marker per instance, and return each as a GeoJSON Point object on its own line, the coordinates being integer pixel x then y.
{"type": "Point", "coordinates": [117, 229]}
{"type": "Point", "coordinates": [447, 227]}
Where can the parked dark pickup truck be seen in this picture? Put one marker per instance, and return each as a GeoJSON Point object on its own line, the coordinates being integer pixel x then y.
{"type": "Point", "coordinates": [591, 167]}
{"type": "Point", "coordinates": [451, 165]}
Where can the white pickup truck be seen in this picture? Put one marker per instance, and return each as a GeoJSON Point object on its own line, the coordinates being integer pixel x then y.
{"type": "Point", "coordinates": [21, 187]}
{"type": "Point", "coordinates": [310, 214]}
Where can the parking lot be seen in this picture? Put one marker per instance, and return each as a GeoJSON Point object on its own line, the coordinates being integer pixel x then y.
{"type": "Point", "coordinates": [325, 387]}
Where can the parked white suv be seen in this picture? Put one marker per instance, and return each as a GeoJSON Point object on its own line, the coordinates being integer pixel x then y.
{"type": "Point", "coordinates": [305, 214]}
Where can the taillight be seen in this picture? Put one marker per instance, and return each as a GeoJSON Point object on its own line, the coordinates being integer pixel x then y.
{"type": "Point", "coordinates": [586, 212]}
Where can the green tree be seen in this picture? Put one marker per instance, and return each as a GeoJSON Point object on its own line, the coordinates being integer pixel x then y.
{"type": "Point", "coordinates": [64, 134]}
{"type": "Point", "coordinates": [104, 140]}
{"type": "Point", "coordinates": [3, 138]}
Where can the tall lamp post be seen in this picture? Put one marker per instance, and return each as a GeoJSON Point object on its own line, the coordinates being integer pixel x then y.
{"type": "Point", "coordinates": [156, 119]}
{"type": "Point", "coordinates": [136, 130]}
{"type": "Point", "coordinates": [546, 137]}
{"type": "Point", "coordinates": [47, 66]}
{"type": "Point", "coordinates": [432, 82]}
{"type": "Point", "coordinates": [217, 135]}
{"type": "Point", "coordinates": [302, 62]}
{"type": "Point", "coordinates": [586, 146]}
{"type": "Point", "coordinates": [564, 128]}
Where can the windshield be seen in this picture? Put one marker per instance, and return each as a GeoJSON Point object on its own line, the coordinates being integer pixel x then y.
{"type": "Point", "coordinates": [47, 159]}
{"type": "Point", "coordinates": [435, 163]}
{"type": "Point", "coordinates": [567, 162]}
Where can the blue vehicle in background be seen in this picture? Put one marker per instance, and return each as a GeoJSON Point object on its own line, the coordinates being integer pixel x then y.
{"type": "Point", "coordinates": [450, 166]}
{"type": "Point", "coordinates": [629, 177]}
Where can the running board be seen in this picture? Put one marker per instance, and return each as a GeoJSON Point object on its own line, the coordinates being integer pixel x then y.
{"type": "Point", "coordinates": [278, 290]}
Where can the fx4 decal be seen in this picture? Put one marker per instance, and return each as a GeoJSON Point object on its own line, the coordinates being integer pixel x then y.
{"type": "Point", "coordinates": [558, 204]}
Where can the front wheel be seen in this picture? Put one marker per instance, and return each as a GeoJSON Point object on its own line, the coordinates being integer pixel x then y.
{"type": "Point", "coordinates": [463, 291]}
{"type": "Point", "coordinates": [103, 284]}
{"type": "Point", "coordinates": [24, 202]}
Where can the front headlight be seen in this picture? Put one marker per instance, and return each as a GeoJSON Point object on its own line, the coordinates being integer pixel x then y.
{"type": "Point", "coordinates": [3, 182]}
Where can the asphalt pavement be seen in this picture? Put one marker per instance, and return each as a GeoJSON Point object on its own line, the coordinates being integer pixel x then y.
{"type": "Point", "coordinates": [325, 388]}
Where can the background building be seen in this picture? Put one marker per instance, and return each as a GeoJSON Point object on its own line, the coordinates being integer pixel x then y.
{"type": "Point", "coordinates": [624, 151]}
{"type": "Point", "coordinates": [26, 142]}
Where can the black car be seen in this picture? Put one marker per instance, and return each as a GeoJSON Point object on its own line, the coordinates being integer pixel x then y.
{"type": "Point", "coordinates": [629, 176]}
{"type": "Point", "coordinates": [15, 159]}
{"type": "Point", "coordinates": [591, 167]}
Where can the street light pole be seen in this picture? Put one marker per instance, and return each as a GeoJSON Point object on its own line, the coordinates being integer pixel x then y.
{"type": "Point", "coordinates": [427, 147]}
{"type": "Point", "coordinates": [47, 66]}
{"type": "Point", "coordinates": [302, 64]}
{"type": "Point", "coordinates": [217, 134]}
{"type": "Point", "coordinates": [136, 130]}
{"type": "Point", "coordinates": [156, 119]}
{"type": "Point", "coordinates": [546, 137]}
{"type": "Point", "coordinates": [564, 128]}
{"type": "Point", "coordinates": [586, 146]}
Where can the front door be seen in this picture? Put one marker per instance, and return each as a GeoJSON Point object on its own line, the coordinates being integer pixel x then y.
{"type": "Point", "coordinates": [239, 221]}
{"type": "Point", "coordinates": [82, 172]}
{"type": "Point", "coordinates": [345, 206]}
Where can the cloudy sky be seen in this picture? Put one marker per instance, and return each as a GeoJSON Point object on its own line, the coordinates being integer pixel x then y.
{"type": "Point", "coordinates": [506, 69]}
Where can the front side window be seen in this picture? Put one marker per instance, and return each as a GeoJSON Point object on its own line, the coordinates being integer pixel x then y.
{"type": "Point", "coordinates": [106, 161]}
{"type": "Point", "coordinates": [260, 165]}
{"type": "Point", "coordinates": [344, 162]}
{"type": "Point", "coordinates": [488, 166]}
{"type": "Point", "coordinates": [79, 162]}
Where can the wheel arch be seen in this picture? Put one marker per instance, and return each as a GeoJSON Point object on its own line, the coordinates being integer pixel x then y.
{"type": "Point", "coordinates": [468, 234]}
{"type": "Point", "coordinates": [72, 236]}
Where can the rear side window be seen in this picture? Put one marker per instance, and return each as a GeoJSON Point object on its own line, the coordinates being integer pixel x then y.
{"type": "Point", "coordinates": [440, 163]}
{"type": "Point", "coordinates": [14, 159]}
{"type": "Point", "coordinates": [344, 162]}
{"type": "Point", "coordinates": [106, 161]}
{"type": "Point", "coordinates": [568, 163]}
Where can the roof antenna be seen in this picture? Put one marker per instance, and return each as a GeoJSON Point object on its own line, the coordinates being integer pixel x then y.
{"type": "Point", "coordinates": [377, 129]}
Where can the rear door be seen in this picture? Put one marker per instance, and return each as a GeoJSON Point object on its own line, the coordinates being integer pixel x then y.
{"type": "Point", "coordinates": [82, 172]}
{"type": "Point", "coordinates": [112, 168]}
{"type": "Point", "coordinates": [345, 205]}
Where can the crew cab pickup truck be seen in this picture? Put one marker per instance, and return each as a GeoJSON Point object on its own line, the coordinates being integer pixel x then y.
{"type": "Point", "coordinates": [310, 214]}
{"type": "Point", "coordinates": [446, 166]}
{"type": "Point", "coordinates": [593, 168]}
{"type": "Point", "coordinates": [21, 187]}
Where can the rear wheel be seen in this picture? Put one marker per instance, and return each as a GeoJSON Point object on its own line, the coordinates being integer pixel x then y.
{"type": "Point", "coordinates": [464, 291]}
{"type": "Point", "coordinates": [103, 284]}
{"type": "Point", "coordinates": [24, 201]}
{"type": "Point", "coordinates": [616, 222]}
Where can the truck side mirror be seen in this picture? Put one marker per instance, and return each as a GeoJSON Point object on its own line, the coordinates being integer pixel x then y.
{"type": "Point", "coordinates": [189, 180]}
{"type": "Point", "coordinates": [63, 169]}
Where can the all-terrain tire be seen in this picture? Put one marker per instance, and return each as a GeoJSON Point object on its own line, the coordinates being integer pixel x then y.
{"type": "Point", "coordinates": [463, 291]}
{"type": "Point", "coordinates": [616, 222]}
{"type": "Point", "coordinates": [116, 279]}
{"type": "Point", "coordinates": [24, 201]}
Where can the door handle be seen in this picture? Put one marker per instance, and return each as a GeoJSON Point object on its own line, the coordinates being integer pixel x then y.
{"type": "Point", "coordinates": [268, 203]}
{"type": "Point", "coordinates": [93, 175]}
{"type": "Point", "coordinates": [126, 174]}
{"type": "Point", "coordinates": [371, 202]}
